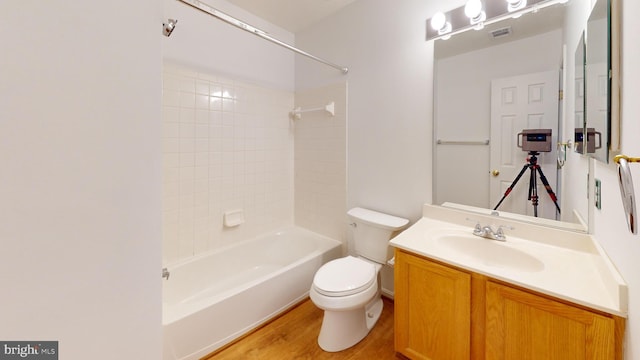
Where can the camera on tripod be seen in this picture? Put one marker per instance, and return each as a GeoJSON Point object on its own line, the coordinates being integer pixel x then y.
{"type": "Point", "coordinates": [538, 140]}
{"type": "Point", "coordinates": [534, 141]}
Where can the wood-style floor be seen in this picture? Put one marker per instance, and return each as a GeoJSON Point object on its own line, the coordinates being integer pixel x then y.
{"type": "Point", "coordinates": [294, 335]}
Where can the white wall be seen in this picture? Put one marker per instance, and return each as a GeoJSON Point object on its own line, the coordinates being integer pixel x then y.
{"type": "Point", "coordinates": [80, 180]}
{"type": "Point", "coordinates": [321, 162]}
{"type": "Point", "coordinates": [389, 98]}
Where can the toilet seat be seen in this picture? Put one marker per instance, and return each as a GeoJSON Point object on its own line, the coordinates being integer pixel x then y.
{"type": "Point", "coordinates": [345, 276]}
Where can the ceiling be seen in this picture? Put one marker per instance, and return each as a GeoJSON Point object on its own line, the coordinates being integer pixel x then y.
{"type": "Point", "coordinates": [292, 15]}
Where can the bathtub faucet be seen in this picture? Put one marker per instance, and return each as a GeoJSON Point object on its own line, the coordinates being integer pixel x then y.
{"type": "Point", "coordinates": [165, 273]}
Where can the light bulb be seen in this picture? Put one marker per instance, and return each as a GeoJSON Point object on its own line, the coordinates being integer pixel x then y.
{"type": "Point", "coordinates": [440, 24]}
{"type": "Point", "coordinates": [473, 9]}
{"type": "Point", "coordinates": [438, 21]}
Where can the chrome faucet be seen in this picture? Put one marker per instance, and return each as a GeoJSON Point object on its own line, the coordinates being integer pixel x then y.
{"type": "Point", "coordinates": [165, 273]}
{"type": "Point", "coordinates": [488, 233]}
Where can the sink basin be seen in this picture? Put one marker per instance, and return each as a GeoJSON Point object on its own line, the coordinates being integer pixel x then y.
{"type": "Point", "coordinates": [490, 252]}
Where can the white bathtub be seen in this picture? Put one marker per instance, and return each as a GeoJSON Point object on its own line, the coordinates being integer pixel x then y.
{"type": "Point", "coordinates": [213, 299]}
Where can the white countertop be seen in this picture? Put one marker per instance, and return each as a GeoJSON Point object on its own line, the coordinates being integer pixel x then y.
{"type": "Point", "coordinates": [567, 265]}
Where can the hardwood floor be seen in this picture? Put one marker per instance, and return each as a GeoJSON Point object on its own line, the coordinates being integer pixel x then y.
{"type": "Point", "coordinates": [294, 336]}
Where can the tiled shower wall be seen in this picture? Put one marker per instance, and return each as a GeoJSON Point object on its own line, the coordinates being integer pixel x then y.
{"type": "Point", "coordinates": [227, 145]}
{"type": "Point", "coordinates": [320, 162]}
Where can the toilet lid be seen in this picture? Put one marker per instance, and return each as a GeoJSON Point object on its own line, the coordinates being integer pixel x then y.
{"type": "Point", "coordinates": [344, 276]}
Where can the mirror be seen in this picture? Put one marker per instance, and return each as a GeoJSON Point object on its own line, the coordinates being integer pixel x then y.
{"type": "Point", "coordinates": [579, 98]}
{"type": "Point", "coordinates": [598, 83]}
{"type": "Point", "coordinates": [474, 73]}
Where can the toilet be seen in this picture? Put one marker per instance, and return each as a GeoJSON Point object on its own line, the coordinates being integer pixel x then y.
{"type": "Point", "coordinates": [348, 288]}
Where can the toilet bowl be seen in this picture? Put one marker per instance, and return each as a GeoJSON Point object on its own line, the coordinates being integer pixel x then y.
{"type": "Point", "coordinates": [348, 289]}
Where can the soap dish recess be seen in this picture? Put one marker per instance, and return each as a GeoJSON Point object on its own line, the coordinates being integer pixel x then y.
{"type": "Point", "coordinates": [233, 218]}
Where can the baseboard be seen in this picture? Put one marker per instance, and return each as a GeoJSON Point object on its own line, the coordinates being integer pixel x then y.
{"type": "Point", "coordinates": [387, 293]}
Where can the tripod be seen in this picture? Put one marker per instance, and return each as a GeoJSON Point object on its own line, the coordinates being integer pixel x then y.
{"type": "Point", "coordinates": [533, 190]}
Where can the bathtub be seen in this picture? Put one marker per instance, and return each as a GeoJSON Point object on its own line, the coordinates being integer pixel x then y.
{"type": "Point", "coordinates": [210, 300]}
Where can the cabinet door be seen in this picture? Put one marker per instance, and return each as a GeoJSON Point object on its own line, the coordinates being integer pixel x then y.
{"type": "Point", "coordinates": [524, 326]}
{"type": "Point", "coordinates": [432, 309]}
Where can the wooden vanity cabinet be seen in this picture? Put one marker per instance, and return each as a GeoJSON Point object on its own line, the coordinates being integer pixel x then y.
{"type": "Point", "coordinates": [442, 312]}
{"type": "Point", "coordinates": [521, 325]}
{"type": "Point", "coordinates": [430, 293]}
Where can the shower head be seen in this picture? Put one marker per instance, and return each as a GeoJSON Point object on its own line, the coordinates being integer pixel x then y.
{"type": "Point", "coordinates": [167, 28]}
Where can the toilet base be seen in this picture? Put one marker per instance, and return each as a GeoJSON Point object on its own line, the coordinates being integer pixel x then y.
{"type": "Point", "coordinates": [342, 329]}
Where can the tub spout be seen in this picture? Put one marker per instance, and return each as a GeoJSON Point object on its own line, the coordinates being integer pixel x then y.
{"type": "Point", "coordinates": [165, 273]}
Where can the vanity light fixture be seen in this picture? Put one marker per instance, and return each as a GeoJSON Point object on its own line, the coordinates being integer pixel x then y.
{"type": "Point", "coordinates": [476, 14]}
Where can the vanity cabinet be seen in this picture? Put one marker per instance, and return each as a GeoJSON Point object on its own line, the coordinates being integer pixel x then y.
{"type": "Point", "coordinates": [430, 293]}
{"type": "Point", "coordinates": [442, 312]}
{"type": "Point", "coordinates": [519, 323]}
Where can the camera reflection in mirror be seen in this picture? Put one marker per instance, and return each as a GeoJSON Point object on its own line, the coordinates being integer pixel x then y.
{"type": "Point", "coordinates": [533, 141]}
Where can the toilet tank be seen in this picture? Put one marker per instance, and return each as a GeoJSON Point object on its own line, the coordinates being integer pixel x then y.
{"type": "Point", "coordinates": [372, 232]}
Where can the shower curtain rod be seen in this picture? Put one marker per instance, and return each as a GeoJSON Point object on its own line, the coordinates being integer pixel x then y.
{"type": "Point", "coordinates": [255, 31]}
